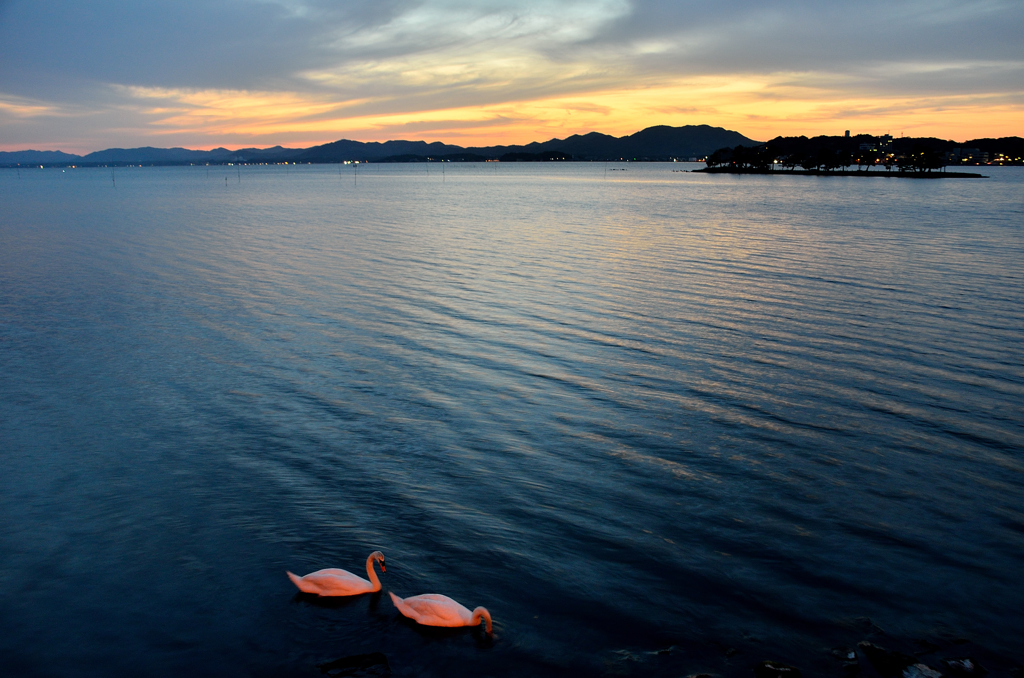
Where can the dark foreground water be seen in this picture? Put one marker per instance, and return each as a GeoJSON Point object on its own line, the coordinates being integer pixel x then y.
{"type": "Point", "coordinates": [658, 423]}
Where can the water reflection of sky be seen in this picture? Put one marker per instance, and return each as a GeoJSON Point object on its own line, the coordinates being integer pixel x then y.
{"type": "Point", "coordinates": [670, 411]}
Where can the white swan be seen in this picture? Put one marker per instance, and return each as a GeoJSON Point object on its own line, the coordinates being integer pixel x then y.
{"type": "Point", "coordinates": [335, 582]}
{"type": "Point", "coordinates": [432, 609]}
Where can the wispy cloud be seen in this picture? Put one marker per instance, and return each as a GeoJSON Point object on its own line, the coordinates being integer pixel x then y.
{"type": "Point", "coordinates": [21, 107]}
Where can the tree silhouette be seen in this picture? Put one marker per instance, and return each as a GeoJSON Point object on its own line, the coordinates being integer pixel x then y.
{"type": "Point", "coordinates": [718, 157]}
{"type": "Point", "coordinates": [810, 162]}
{"type": "Point", "coordinates": [866, 158]}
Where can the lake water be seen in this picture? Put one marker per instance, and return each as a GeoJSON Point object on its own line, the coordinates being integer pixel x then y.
{"type": "Point", "coordinates": [659, 423]}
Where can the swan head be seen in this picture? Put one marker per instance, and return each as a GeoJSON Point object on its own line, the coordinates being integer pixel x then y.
{"type": "Point", "coordinates": [379, 557]}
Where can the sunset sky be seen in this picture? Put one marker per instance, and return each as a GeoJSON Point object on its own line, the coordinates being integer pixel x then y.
{"type": "Point", "coordinates": [84, 76]}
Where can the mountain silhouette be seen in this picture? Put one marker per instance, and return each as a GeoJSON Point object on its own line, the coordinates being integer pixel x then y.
{"type": "Point", "coordinates": [654, 143]}
{"type": "Point", "coordinates": [12, 158]}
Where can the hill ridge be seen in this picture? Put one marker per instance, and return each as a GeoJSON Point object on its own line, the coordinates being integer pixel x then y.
{"type": "Point", "coordinates": [660, 142]}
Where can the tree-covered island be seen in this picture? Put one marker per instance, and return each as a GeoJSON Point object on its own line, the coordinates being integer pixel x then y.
{"type": "Point", "coordinates": [863, 154]}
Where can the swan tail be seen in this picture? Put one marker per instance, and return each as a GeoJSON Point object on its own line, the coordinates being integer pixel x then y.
{"type": "Point", "coordinates": [399, 603]}
{"type": "Point", "coordinates": [297, 580]}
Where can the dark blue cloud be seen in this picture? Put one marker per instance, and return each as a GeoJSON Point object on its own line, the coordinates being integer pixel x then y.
{"type": "Point", "coordinates": [860, 38]}
{"type": "Point", "coordinates": [253, 44]}
{"type": "Point", "coordinates": [236, 44]}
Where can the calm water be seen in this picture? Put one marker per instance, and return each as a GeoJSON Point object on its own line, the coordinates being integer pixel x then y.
{"type": "Point", "coordinates": [658, 423]}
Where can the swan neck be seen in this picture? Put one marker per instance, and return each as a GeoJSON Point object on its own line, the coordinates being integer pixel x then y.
{"type": "Point", "coordinates": [482, 613]}
{"type": "Point", "coordinates": [372, 574]}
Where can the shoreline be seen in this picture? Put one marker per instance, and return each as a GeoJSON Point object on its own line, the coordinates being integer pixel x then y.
{"type": "Point", "coordinates": [847, 173]}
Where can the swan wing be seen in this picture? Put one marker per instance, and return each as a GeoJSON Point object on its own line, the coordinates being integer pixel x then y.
{"type": "Point", "coordinates": [334, 582]}
{"type": "Point", "coordinates": [337, 572]}
{"type": "Point", "coordinates": [432, 609]}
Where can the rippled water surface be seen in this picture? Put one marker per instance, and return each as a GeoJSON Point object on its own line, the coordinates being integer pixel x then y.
{"type": "Point", "coordinates": [659, 423]}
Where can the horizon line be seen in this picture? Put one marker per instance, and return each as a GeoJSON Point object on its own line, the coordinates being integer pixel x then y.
{"type": "Point", "coordinates": [213, 147]}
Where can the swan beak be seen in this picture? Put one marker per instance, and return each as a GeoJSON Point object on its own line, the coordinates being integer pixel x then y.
{"type": "Point", "coordinates": [382, 568]}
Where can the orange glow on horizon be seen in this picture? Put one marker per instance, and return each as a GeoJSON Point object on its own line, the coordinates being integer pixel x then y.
{"type": "Point", "coordinates": [758, 107]}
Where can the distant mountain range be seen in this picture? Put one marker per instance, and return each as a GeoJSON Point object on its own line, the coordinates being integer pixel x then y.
{"type": "Point", "coordinates": [146, 155]}
{"type": "Point", "coordinates": [654, 143]}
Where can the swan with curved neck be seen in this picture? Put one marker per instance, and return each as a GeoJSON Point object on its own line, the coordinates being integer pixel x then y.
{"type": "Point", "coordinates": [334, 582]}
{"type": "Point", "coordinates": [433, 609]}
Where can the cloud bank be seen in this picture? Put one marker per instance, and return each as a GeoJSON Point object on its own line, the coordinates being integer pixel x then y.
{"type": "Point", "coordinates": [84, 76]}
